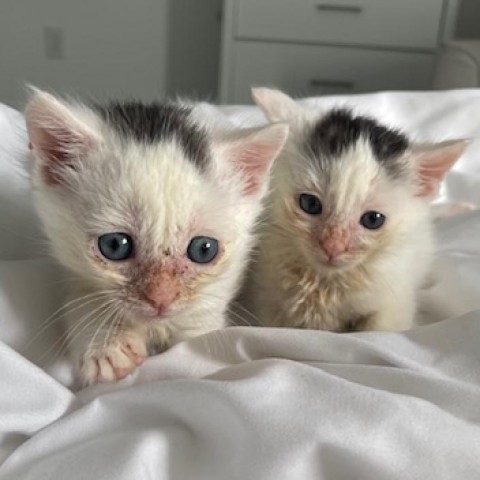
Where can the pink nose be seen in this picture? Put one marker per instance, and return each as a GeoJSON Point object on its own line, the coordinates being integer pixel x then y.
{"type": "Point", "coordinates": [333, 247]}
{"type": "Point", "coordinates": [162, 290]}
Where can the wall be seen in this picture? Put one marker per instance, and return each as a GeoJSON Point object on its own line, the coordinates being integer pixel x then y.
{"type": "Point", "coordinates": [194, 47]}
{"type": "Point", "coordinates": [112, 48]}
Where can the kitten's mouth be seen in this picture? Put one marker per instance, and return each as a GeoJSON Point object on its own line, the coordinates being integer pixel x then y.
{"type": "Point", "coordinates": [335, 263]}
{"type": "Point", "coordinates": [341, 263]}
{"type": "Point", "coordinates": [149, 313]}
{"type": "Point", "coordinates": [158, 314]}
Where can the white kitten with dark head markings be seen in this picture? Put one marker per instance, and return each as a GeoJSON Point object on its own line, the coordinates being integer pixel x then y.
{"type": "Point", "coordinates": [152, 211]}
{"type": "Point", "coordinates": [347, 239]}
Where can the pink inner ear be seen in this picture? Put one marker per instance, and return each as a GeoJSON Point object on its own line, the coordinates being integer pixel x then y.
{"type": "Point", "coordinates": [254, 163]}
{"type": "Point", "coordinates": [53, 146]}
{"type": "Point", "coordinates": [58, 147]}
{"type": "Point", "coordinates": [254, 154]}
{"type": "Point", "coordinates": [430, 176]}
{"type": "Point", "coordinates": [434, 163]}
{"type": "Point", "coordinates": [56, 137]}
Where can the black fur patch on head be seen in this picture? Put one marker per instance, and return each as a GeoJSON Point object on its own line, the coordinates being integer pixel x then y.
{"type": "Point", "coordinates": [339, 130]}
{"type": "Point", "coordinates": [156, 122]}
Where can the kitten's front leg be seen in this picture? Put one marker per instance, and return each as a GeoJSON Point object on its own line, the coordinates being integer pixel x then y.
{"type": "Point", "coordinates": [105, 353]}
{"type": "Point", "coordinates": [114, 361]}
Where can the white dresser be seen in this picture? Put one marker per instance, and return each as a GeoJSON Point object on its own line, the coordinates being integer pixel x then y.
{"type": "Point", "coordinates": [314, 47]}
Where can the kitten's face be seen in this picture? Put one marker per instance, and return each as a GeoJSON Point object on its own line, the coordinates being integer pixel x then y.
{"type": "Point", "coordinates": [145, 205]}
{"type": "Point", "coordinates": [345, 211]}
{"type": "Point", "coordinates": [160, 239]}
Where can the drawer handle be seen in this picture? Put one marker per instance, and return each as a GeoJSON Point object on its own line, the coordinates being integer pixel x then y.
{"type": "Point", "coordinates": [320, 83]}
{"type": "Point", "coordinates": [328, 7]}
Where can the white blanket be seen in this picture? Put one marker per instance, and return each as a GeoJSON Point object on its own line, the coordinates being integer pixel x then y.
{"type": "Point", "coordinates": [251, 403]}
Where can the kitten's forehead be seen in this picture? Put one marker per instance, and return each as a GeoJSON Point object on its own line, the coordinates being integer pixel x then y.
{"type": "Point", "coordinates": [340, 131]}
{"type": "Point", "coordinates": [155, 123]}
{"type": "Point", "coordinates": [160, 199]}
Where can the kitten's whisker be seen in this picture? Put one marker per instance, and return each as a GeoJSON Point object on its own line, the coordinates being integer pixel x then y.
{"type": "Point", "coordinates": [118, 323]}
{"type": "Point", "coordinates": [114, 320]}
{"type": "Point", "coordinates": [55, 316]}
{"type": "Point", "coordinates": [92, 345]}
{"type": "Point", "coordinates": [74, 328]}
{"type": "Point", "coordinates": [237, 317]}
{"type": "Point", "coordinates": [84, 322]}
{"type": "Point", "coordinates": [233, 312]}
{"type": "Point", "coordinates": [254, 317]}
{"type": "Point", "coordinates": [214, 346]}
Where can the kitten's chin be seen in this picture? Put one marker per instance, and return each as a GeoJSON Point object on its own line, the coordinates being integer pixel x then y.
{"type": "Point", "coordinates": [335, 265]}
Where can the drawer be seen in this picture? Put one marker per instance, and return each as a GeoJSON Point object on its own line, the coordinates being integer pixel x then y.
{"type": "Point", "coordinates": [391, 23]}
{"type": "Point", "coordinates": [309, 70]}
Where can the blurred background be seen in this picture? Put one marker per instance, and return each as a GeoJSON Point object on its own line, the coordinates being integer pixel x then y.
{"type": "Point", "coordinates": [217, 49]}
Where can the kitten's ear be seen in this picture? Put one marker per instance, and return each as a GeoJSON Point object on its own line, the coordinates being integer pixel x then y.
{"type": "Point", "coordinates": [433, 161]}
{"type": "Point", "coordinates": [57, 138]}
{"type": "Point", "coordinates": [252, 152]}
{"type": "Point", "coordinates": [276, 105]}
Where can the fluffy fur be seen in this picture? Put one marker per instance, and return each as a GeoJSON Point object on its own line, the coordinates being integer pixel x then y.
{"type": "Point", "coordinates": [163, 176]}
{"type": "Point", "coordinates": [327, 271]}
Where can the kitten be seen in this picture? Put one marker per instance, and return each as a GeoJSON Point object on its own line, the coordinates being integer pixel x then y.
{"type": "Point", "coordinates": [347, 237]}
{"type": "Point", "coordinates": [152, 210]}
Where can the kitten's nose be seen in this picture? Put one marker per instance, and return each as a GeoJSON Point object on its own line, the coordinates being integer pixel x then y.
{"type": "Point", "coordinates": [162, 290]}
{"type": "Point", "coordinates": [333, 246]}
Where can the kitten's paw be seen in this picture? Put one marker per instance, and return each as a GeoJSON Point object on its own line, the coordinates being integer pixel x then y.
{"type": "Point", "coordinates": [115, 361]}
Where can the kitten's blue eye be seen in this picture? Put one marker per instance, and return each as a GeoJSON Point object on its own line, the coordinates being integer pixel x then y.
{"type": "Point", "coordinates": [372, 220]}
{"type": "Point", "coordinates": [310, 204]}
{"type": "Point", "coordinates": [115, 246]}
{"type": "Point", "coordinates": [202, 249]}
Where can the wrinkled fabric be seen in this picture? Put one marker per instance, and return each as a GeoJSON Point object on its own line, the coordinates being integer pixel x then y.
{"type": "Point", "coordinates": [255, 403]}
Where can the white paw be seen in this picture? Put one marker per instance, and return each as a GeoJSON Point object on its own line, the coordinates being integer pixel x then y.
{"type": "Point", "coordinates": [115, 361]}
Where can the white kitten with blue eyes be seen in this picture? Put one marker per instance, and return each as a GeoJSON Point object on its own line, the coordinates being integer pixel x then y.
{"type": "Point", "coordinates": [152, 211]}
{"type": "Point", "coordinates": [347, 239]}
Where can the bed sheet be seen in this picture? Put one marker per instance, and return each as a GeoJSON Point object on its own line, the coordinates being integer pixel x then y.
{"type": "Point", "coordinates": [253, 403]}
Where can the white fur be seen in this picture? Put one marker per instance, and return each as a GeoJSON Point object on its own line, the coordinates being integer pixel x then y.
{"type": "Point", "coordinates": [159, 196]}
{"type": "Point", "coordinates": [290, 285]}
